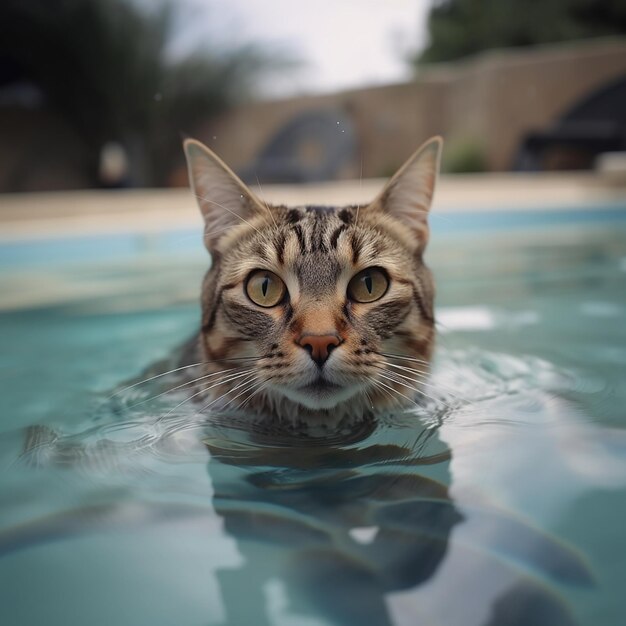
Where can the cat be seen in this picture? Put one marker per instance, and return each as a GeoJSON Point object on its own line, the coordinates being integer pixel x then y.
{"type": "Point", "coordinates": [314, 315]}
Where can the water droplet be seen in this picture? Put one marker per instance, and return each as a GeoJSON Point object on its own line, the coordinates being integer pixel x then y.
{"type": "Point", "coordinates": [343, 131]}
{"type": "Point", "coordinates": [214, 136]}
{"type": "Point", "coordinates": [337, 123]}
{"type": "Point", "coordinates": [158, 97]}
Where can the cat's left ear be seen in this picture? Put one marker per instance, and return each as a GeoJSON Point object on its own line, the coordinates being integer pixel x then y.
{"type": "Point", "coordinates": [223, 198]}
{"type": "Point", "coordinates": [409, 194]}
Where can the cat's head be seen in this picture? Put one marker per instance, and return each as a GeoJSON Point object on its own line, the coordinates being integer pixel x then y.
{"type": "Point", "coordinates": [316, 312]}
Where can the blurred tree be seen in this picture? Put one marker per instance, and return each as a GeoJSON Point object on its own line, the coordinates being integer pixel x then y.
{"type": "Point", "coordinates": [460, 27]}
{"type": "Point", "coordinates": [105, 68]}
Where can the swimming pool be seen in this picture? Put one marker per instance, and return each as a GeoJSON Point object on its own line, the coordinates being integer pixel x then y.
{"type": "Point", "coordinates": [500, 501]}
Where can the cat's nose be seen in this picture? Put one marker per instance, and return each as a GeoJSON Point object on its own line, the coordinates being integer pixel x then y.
{"type": "Point", "coordinates": [319, 346]}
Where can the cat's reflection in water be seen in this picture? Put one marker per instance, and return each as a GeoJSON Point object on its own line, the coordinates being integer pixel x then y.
{"type": "Point", "coordinates": [348, 532]}
{"type": "Point", "coordinates": [362, 536]}
{"type": "Point", "coordinates": [331, 525]}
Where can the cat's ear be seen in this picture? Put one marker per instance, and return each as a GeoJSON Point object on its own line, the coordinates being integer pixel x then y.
{"type": "Point", "coordinates": [409, 193]}
{"type": "Point", "coordinates": [223, 198]}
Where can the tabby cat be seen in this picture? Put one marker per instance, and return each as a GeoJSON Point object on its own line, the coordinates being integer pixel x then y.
{"type": "Point", "coordinates": [314, 314]}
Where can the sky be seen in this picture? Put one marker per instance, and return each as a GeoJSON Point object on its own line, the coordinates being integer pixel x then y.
{"type": "Point", "coordinates": [341, 43]}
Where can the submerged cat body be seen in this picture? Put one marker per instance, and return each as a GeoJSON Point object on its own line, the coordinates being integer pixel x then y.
{"type": "Point", "coordinates": [313, 315]}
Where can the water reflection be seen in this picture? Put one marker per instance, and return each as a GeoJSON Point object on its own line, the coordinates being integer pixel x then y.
{"type": "Point", "coordinates": [379, 533]}
{"type": "Point", "coordinates": [339, 527]}
{"type": "Point", "coordinates": [440, 516]}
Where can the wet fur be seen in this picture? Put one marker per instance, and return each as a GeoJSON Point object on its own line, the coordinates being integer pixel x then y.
{"type": "Point", "coordinates": [316, 250]}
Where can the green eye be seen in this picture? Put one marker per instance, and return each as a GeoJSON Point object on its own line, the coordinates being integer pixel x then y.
{"type": "Point", "coordinates": [368, 285]}
{"type": "Point", "coordinates": [265, 288]}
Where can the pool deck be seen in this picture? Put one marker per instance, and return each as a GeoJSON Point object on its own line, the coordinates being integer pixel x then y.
{"type": "Point", "coordinates": [79, 213]}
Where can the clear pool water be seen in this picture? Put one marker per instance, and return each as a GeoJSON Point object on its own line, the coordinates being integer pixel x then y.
{"type": "Point", "coordinates": [500, 501]}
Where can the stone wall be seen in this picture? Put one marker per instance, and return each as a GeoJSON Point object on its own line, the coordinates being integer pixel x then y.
{"type": "Point", "coordinates": [492, 99]}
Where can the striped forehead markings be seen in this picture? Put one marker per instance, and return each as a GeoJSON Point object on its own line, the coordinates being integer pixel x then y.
{"type": "Point", "coordinates": [297, 229]}
{"type": "Point", "coordinates": [293, 216]}
{"type": "Point", "coordinates": [311, 227]}
{"type": "Point", "coordinates": [279, 247]}
{"type": "Point", "coordinates": [319, 209]}
{"type": "Point", "coordinates": [317, 229]}
{"type": "Point", "coordinates": [334, 238]}
{"type": "Point", "coordinates": [346, 215]}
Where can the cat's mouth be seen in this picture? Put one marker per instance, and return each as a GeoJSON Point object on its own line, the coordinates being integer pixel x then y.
{"type": "Point", "coordinates": [320, 393]}
{"type": "Point", "coordinates": [321, 389]}
{"type": "Point", "coordinates": [321, 386]}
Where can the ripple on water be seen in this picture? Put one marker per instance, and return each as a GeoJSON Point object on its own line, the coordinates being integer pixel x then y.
{"type": "Point", "coordinates": [473, 479]}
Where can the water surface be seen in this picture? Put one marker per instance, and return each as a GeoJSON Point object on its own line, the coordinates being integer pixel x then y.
{"type": "Point", "coordinates": [499, 500]}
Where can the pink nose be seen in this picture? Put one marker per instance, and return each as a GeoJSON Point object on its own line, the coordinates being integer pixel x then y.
{"type": "Point", "coordinates": [319, 346]}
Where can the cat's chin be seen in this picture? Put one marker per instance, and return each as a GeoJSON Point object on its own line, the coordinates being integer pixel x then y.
{"type": "Point", "coordinates": [320, 396]}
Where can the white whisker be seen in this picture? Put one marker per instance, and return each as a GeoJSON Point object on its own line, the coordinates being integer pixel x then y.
{"type": "Point", "coordinates": [405, 358]}
{"type": "Point", "coordinates": [248, 379]}
{"type": "Point", "coordinates": [397, 381]}
{"type": "Point", "coordinates": [263, 385]}
{"type": "Point", "coordinates": [206, 234]}
{"type": "Point", "coordinates": [217, 384]}
{"type": "Point", "coordinates": [415, 389]}
{"type": "Point", "coordinates": [358, 206]}
{"type": "Point", "coordinates": [141, 382]}
{"type": "Point", "coordinates": [204, 199]}
{"type": "Point", "coordinates": [385, 388]}
{"type": "Point", "coordinates": [179, 369]}
{"type": "Point", "coordinates": [419, 376]}
{"type": "Point", "coordinates": [265, 204]}
{"type": "Point", "coordinates": [411, 400]}
{"type": "Point", "coordinates": [189, 383]}
{"type": "Point", "coordinates": [249, 384]}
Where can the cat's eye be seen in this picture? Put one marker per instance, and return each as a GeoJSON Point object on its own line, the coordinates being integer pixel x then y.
{"type": "Point", "coordinates": [368, 285]}
{"type": "Point", "coordinates": [265, 288]}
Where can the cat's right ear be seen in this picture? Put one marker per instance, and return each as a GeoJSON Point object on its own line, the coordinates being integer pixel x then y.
{"type": "Point", "coordinates": [223, 198]}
